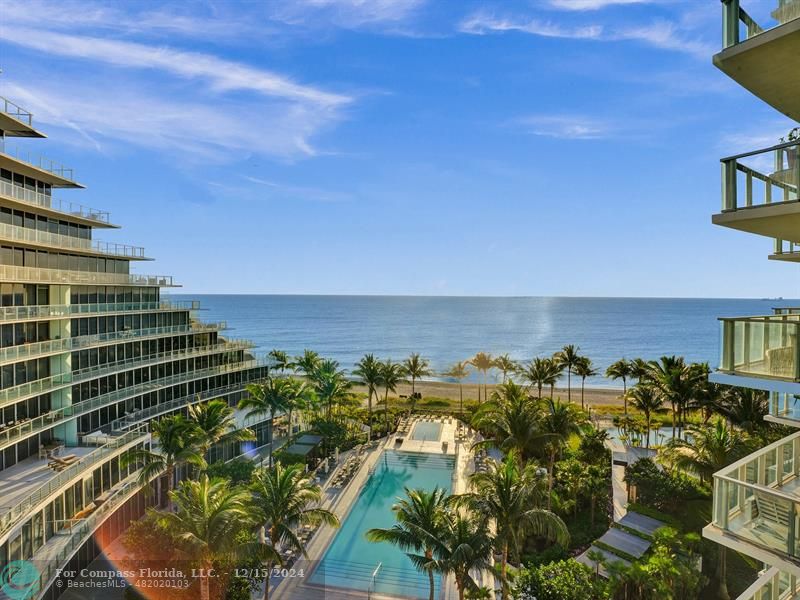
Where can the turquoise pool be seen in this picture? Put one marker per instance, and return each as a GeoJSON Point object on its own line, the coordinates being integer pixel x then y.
{"type": "Point", "coordinates": [425, 431]}
{"type": "Point", "coordinates": [350, 559]}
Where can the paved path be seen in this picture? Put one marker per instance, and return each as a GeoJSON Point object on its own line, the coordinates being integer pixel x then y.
{"type": "Point", "coordinates": [609, 557]}
{"type": "Point", "coordinates": [625, 542]}
{"type": "Point", "coordinates": [641, 523]}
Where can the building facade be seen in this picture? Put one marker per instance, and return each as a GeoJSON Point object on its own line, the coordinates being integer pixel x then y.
{"type": "Point", "coordinates": [757, 499]}
{"type": "Point", "coordinates": [89, 354]}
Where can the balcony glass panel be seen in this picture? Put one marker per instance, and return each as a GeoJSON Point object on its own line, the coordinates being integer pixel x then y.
{"type": "Point", "coordinates": [761, 346]}
{"type": "Point", "coordinates": [38, 199]}
{"type": "Point", "coordinates": [744, 19]}
{"type": "Point", "coordinates": [45, 238]}
{"type": "Point", "coordinates": [762, 177]}
{"type": "Point", "coordinates": [35, 274]}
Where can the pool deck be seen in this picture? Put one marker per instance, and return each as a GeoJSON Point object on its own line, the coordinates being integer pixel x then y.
{"type": "Point", "coordinates": [341, 501]}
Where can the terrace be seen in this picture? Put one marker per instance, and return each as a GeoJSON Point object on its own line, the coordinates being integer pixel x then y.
{"type": "Point", "coordinates": [16, 121]}
{"type": "Point", "coordinates": [37, 275]}
{"type": "Point", "coordinates": [55, 206]}
{"type": "Point", "coordinates": [757, 505]}
{"type": "Point", "coordinates": [35, 237]}
{"type": "Point", "coordinates": [760, 193]}
{"type": "Point", "coordinates": [761, 50]}
{"type": "Point", "coordinates": [39, 167]}
{"type": "Point", "coordinates": [67, 311]}
{"type": "Point", "coordinates": [773, 584]}
{"type": "Point", "coordinates": [761, 347]}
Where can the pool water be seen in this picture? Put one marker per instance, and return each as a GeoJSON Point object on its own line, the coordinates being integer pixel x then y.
{"type": "Point", "coordinates": [350, 560]}
{"type": "Point", "coordinates": [426, 431]}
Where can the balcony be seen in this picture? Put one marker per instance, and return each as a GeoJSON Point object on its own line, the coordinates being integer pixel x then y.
{"type": "Point", "coordinates": [18, 393]}
{"type": "Point", "coordinates": [786, 251]}
{"type": "Point", "coordinates": [30, 482]}
{"type": "Point", "coordinates": [760, 192]}
{"type": "Point", "coordinates": [762, 347]}
{"type": "Point", "coordinates": [89, 216]}
{"type": "Point", "coordinates": [756, 508]}
{"type": "Point", "coordinates": [36, 275]}
{"type": "Point", "coordinates": [35, 237]}
{"type": "Point", "coordinates": [30, 427]}
{"type": "Point", "coordinates": [773, 584]}
{"type": "Point", "coordinates": [58, 346]}
{"type": "Point", "coordinates": [68, 311]}
{"type": "Point", "coordinates": [39, 167]}
{"type": "Point", "coordinates": [761, 50]}
{"type": "Point", "coordinates": [15, 121]}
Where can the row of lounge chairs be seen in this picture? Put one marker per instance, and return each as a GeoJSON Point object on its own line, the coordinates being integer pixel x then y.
{"type": "Point", "coordinates": [404, 427]}
{"type": "Point", "coordinates": [59, 463]}
{"type": "Point", "coordinates": [348, 470]}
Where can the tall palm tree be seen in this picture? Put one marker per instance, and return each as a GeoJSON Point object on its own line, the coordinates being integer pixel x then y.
{"type": "Point", "coordinates": [177, 442]}
{"type": "Point", "coordinates": [639, 369]}
{"type": "Point", "coordinates": [744, 407]}
{"type": "Point", "coordinates": [330, 384]}
{"type": "Point", "coordinates": [568, 357]}
{"type": "Point", "coordinates": [267, 399]}
{"type": "Point", "coordinates": [677, 382]}
{"type": "Point", "coordinates": [505, 365]}
{"type": "Point", "coordinates": [510, 420]}
{"type": "Point", "coordinates": [645, 398]}
{"type": "Point", "coordinates": [307, 362]}
{"type": "Point", "coordinates": [465, 547]}
{"type": "Point", "coordinates": [285, 498]}
{"type": "Point", "coordinates": [583, 369]}
{"type": "Point", "coordinates": [510, 496]}
{"type": "Point", "coordinates": [710, 449]}
{"type": "Point", "coordinates": [391, 376]}
{"type": "Point", "coordinates": [541, 372]}
{"type": "Point", "coordinates": [484, 362]}
{"type": "Point", "coordinates": [216, 424]}
{"type": "Point", "coordinates": [368, 370]}
{"type": "Point", "coordinates": [459, 372]}
{"type": "Point", "coordinates": [558, 422]}
{"type": "Point", "coordinates": [620, 369]}
{"type": "Point", "coordinates": [420, 516]}
{"type": "Point", "coordinates": [415, 367]}
{"type": "Point", "coordinates": [281, 360]}
{"type": "Point", "coordinates": [208, 515]}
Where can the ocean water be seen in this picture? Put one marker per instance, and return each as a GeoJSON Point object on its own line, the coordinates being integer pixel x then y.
{"type": "Point", "coordinates": [448, 329]}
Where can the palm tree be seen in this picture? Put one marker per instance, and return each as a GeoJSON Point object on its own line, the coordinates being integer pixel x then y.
{"type": "Point", "coordinates": [510, 496]}
{"type": "Point", "coordinates": [484, 363]}
{"type": "Point", "coordinates": [744, 407]}
{"type": "Point", "coordinates": [419, 525]}
{"type": "Point", "coordinates": [178, 442]}
{"type": "Point", "coordinates": [645, 398]}
{"type": "Point", "coordinates": [209, 514]}
{"type": "Point", "coordinates": [216, 424]}
{"type": "Point", "coordinates": [568, 358]}
{"type": "Point", "coordinates": [281, 360]}
{"type": "Point", "coordinates": [286, 498]}
{"type": "Point", "coordinates": [541, 372]}
{"type": "Point", "coordinates": [465, 547]}
{"type": "Point", "coordinates": [505, 365]}
{"type": "Point", "coordinates": [330, 384]}
{"type": "Point", "coordinates": [558, 422]}
{"type": "Point", "coordinates": [368, 370]}
{"type": "Point", "coordinates": [391, 376]}
{"type": "Point", "coordinates": [712, 448]}
{"type": "Point", "coordinates": [510, 419]}
{"type": "Point", "coordinates": [677, 382]}
{"type": "Point", "coordinates": [459, 372]}
{"type": "Point", "coordinates": [416, 367]}
{"type": "Point", "coordinates": [620, 370]}
{"type": "Point", "coordinates": [583, 369]}
{"type": "Point", "coordinates": [267, 399]}
{"type": "Point", "coordinates": [307, 363]}
{"type": "Point", "coordinates": [639, 368]}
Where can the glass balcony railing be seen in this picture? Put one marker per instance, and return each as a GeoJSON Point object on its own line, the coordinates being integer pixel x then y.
{"type": "Point", "coordinates": [12, 514]}
{"type": "Point", "coordinates": [38, 161]}
{"type": "Point", "coordinates": [761, 177]}
{"type": "Point", "coordinates": [37, 199]}
{"type": "Point", "coordinates": [773, 584]}
{"type": "Point", "coordinates": [762, 346]}
{"type": "Point", "coordinates": [38, 349]}
{"type": "Point", "coordinates": [755, 498]}
{"type": "Point", "coordinates": [55, 417]}
{"type": "Point", "coordinates": [37, 275]}
{"type": "Point", "coordinates": [786, 250]}
{"type": "Point", "coordinates": [787, 310]}
{"type": "Point", "coordinates": [45, 238]}
{"type": "Point", "coordinates": [739, 25]}
{"type": "Point", "coordinates": [54, 382]}
{"type": "Point", "coordinates": [49, 311]}
{"type": "Point", "coordinates": [16, 111]}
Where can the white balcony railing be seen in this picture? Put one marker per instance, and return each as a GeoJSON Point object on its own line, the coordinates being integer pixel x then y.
{"type": "Point", "coordinates": [38, 161]}
{"type": "Point", "coordinates": [37, 275]}
{"type": "Point", "coordinates": [38, 199]}
{"type": "Point", "coordinates": [16, 111]}
{"type": "Point", "coordinates": [739, 25]}
{"type": "Point", "coordinates": [761, 177]}
{"type": "Point", "coordinates": [51, 311]}
{"type": "Point", "coordinates": [765, 346]}
{"type": "Point", "coordinates": [773, 584]}
{"type": "Point", "coordinates": [27, 235]}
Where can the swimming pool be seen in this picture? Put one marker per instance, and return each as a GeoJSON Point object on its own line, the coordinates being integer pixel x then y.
{"type": "Point", "coordinates": [427, 431]}
{"type": "Point", "coordinates": [350, 560]}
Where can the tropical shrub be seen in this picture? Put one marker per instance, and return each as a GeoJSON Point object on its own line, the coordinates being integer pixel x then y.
{"type": "Point", "coordinates": [661, 489]}
{"type": "Point", "coordinates": [562, 580]}
{"type": "Point", "coordinates": [239, 470]}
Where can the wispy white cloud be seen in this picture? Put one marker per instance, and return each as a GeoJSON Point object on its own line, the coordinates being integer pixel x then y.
{"type": "Point", "coordinates": [280, 190]}
{"type": "Point", "coordinates": [571, 127]}
{"type": "Point", "coordinates": [591, 4]}
{"type": "Point", "coordinates": [349, 14]}
{"type": "Point", "coordinates": [484, 23]}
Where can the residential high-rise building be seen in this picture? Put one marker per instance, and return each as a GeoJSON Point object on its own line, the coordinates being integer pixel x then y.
{"type": "Point", "coordinates": [90, 353]}
{"type": "Point", "coordinates": [757, 499]}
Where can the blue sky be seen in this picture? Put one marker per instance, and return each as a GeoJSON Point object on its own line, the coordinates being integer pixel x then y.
{"type": "Point", "coordinates": [536, 147]}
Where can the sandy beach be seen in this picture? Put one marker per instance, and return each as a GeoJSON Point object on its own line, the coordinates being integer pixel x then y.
{"type": "Point", "coordinates": [439, 389]}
